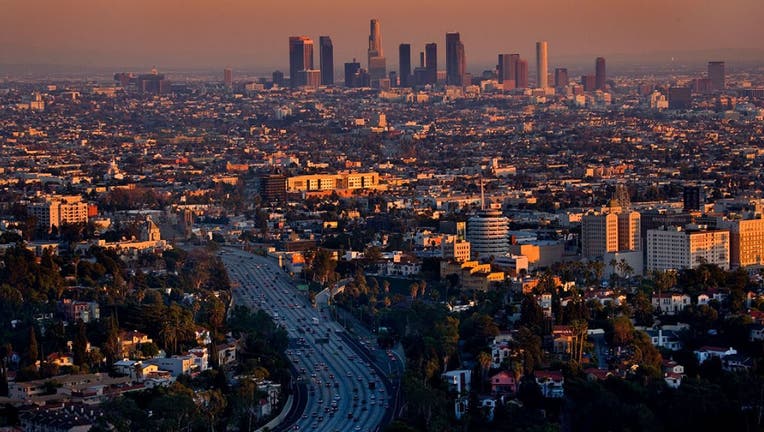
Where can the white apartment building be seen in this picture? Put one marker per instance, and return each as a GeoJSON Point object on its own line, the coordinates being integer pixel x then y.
{"type": "Point", "coordinates": [676, 248]}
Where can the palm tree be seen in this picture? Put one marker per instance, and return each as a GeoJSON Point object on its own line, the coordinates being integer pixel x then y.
{"type": "Point", "coordinates": [614, 267]}
{"type": "Point", "coordinates": [414, 290]}
{"type": "Point", "coordinates": [580, 328]}
{"type": "Point", "coordinates": [484, 360]}
{"type": "Point", "coordinates": [169, 334]}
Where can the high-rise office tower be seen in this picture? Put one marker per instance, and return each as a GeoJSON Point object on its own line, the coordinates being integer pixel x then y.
{"type": "Point", "coordinates": [278, 78]}
{"type": "Point", "coordinates": [377, 66]}
{"type": "Point", "coordinates": [153, 83]}
{"type": "Point", "coordinates": [716, 74]}
{"type": "Point", "coordinates": [589, 82]}
{"type": "Point", "coordinates": [561, 77]}
{"type": "Point", "coordinates": [507, 70]}
{"type": "Point", "coordinates": [522, 73]}
{"type": "Point", "coordinates": [351, 70]}
{"type": "Point", "coordinates": [613, 231]}
{"type": "Point", "coordinates": [542, 64]}
{"type": "Point", "coordinates": [326, 60]}
{"type": "Point", "coordinates": [393, 76]}
{"type": "Point", "coordinates": [431, 62]}
{"type": "Point", "coordinates": [694, 198]}
{"type": "Point", "coordinates": [300, 58]}
{"type": "Point", "coordinates": [746, 242]}
{"type": "Point", "coordinates": [600, 74]}
{"type": "Point", "coordinates": [680, 97]}
{"type": "Point", "coordinates": [228, 78]}
{"type": "Point", "coordinates": [404, 62]}
{"type": "Point", "coordinates": [503, 71]}
{"type": "Point", "coordinates": [272, 188]}
{"type": "Point", "coordinates": [310, 78]}
{"type": "Point", "coordinates": [455, 60]}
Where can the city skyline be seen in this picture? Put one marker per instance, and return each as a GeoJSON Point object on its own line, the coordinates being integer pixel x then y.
{"type": "Point", "coordinates": [249, 36]}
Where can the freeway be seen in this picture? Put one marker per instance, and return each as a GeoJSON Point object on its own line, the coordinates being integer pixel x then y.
{"type": "Point", "coordinates": [338, 388]}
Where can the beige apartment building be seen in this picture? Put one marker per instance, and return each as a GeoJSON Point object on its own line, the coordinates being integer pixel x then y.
{"type": "Point", "coordinates": [676, 248]}
{"type": "Point", "coordinates": [455, 249]}
{"type": "Point", "coordinates": [331, 182]}
{"type": "Point", "coordinates": [613, 231]}
{"type": "Point", "coordinates": [58, 210]}
{"type": "Point", "coordinates": [746, 242]}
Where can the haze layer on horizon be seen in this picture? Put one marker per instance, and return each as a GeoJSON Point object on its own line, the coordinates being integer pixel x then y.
{"type": "Point", "coordinates": [254, 34]}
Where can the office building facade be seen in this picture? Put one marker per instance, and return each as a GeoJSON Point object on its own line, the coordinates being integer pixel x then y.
{"type": "Point", "coordinates": [326, 60]}
{"type": "Point", "coordinates": [455, 60]}
{"type": "Point", "coordinates": [746, 242]}
{"type": "Point", "coordinates": [507, 70]}
{"type": "Point", "coordinates": [522, 74]}
{"type": "Point", "coordinates": [404, 65]}
{"type": "Point", "coordinates": [228, 78]}
{"type": "Point", "coordinates": [561, 77]}
{"type": "Point", "coordinates": [716, 75]}
{"type": "Point", "coordinates": [300, 58]}
{"type": "Point", "coordinates": [600, 74]}
{"type": "Point", "coordinates": [542, 64]}
{"type": "Point", "coordinates": [376, 58]}
{"type": "Point", "coordinates": [431, 63]}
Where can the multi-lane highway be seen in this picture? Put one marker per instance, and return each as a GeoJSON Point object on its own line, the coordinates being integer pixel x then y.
{"type": "Point", "coordinates": [339, 389]}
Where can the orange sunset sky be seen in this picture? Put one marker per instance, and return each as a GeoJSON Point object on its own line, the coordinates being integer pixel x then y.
{"type": "Point", "coordinates": [254, 33]}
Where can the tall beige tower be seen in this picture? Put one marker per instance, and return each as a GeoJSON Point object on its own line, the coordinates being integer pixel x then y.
{"type": "Point", "coordinates": [542, 64]}
{"type": "Point", "coordinates": [629, 238]}
{"type": "Point", "coordinates": [599, 235]}
{"type": "Point", "coordinates": [377, 64]}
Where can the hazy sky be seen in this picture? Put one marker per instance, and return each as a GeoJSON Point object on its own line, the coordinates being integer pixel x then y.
{"type": "Point", "coordinates": [253, 34]}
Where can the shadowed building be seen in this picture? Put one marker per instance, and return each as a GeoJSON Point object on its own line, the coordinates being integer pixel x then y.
{"type": "Point", "coordinates": [561, 77]}
{"type": "Point", "coordinates": [522, 73]}
{"type": "Point", "coordinates": [326, 60]}
{"type": "Point", "coordinates": [404, 62]}
{"type": "Point", "coordinates": [300, 58]}
{"type": "Point", "coordinates": [228, 78]}
{"type": "Point", "coordinates": [431, 63]}
{"type": "Point", "coordinates": [507, 70]}
{"type": "Point", "coordinates": [716, 74]}
{"type": "Point", "coordinates": [600, 73]}
{"type": "Point", "coordinates": [679, 97]}
{"type": "Point", "coordinates": [455, 60]}
{"type": "Point", "coordinates": [589, 82]}
{"type": "Point", "coordinates": [278, 78]}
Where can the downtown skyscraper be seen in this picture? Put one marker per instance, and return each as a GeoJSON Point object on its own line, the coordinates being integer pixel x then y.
{"type": "Point", "coordinates": [431, 63]}
{"type": "Point", "coordinates": [404, 63]}
{"type": "Point", "coordinates": [600, 73]}
{"type": "Point", "coordinates": [542, 64]}
{"type": "Point", "coordinates": [377, 65]}
{"type": "Point", "coordinates": [716, 75]}
{"type": "Point", "coordinates": [455, 60]}
{"type": "Point", "coordinates": [326, 60]}
{"type": "Point", "coordinates": [228, 78]}
{"type": "Point", "coordinates": [507, 70]}
{"type": "Point", "coordinates": [300, 59]}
